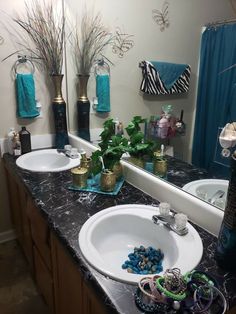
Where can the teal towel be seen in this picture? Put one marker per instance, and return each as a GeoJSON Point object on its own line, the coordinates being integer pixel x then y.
{"type": "Point", "coordinates": [25, 94]}
{"type": "Point", "coordinates": [169, 72]}
{"type": "Point", "coordinates": [103, 93]}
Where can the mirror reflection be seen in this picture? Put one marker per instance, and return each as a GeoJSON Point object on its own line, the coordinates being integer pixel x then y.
{"type": "Point", "coordinates": [161, 33]}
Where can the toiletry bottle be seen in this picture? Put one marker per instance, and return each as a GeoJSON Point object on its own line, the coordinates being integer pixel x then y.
{"type": "Point", "coordinates": [116, 122]}
{"type": "Point", "coordinates": [16, 144]}
{"type": "Point", "coordinates": [25, 140]}
{"type": "Point", "coordinates": [226, 246]}
{"type": "Point", "coordinates": [120, 129]}
{"type": "Point", "coordinates": [10, 136]}
{"type": "Point", "coordinates": [163, 127]}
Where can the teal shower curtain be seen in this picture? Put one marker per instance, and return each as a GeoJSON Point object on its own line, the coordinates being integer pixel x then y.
{"type": "Point", "coordinates": [216, 101]}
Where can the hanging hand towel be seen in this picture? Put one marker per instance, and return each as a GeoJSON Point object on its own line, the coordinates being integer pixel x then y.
{"type": "Point", "coordinates": [103, 93]}
{"type": "Point", "coordinates": [25, 93]}
{"type": "Point", "coordinates": [164, 78]}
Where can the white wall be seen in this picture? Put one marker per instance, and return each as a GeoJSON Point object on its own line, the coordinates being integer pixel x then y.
{"type": "Point", "coordinates": [179, 44]}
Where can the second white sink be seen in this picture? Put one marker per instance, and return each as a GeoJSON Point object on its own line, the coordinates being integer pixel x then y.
{"type": "Point", "coordinates": [207, 189]}
{"type": "Point", "coordinates": [46, 160]}
{"type": "Point", "coordinates": [109, 236]}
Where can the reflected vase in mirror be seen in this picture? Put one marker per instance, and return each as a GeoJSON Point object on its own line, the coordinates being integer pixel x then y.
{"type": "Point", "coordinates": [59, 112]}
{"type": "Point", "coordinates": [83, 108]}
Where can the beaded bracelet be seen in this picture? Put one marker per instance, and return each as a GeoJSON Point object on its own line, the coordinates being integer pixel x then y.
{"type": "Point", "coordinates": [178, 297]}
{"type": "Point", "coordinates": [149, 307]}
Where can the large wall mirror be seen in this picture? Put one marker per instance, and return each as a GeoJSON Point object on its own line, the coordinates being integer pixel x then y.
{"type": "Point", "coordinates": [177, 41]}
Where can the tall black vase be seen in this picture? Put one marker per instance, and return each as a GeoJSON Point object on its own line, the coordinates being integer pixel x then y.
{"type": "Point", "coordinates": [83, 108]}
{"type": "Point", "coordinates": [59, 112]}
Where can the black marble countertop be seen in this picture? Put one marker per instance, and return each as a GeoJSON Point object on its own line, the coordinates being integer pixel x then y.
{"type": "Point", "coordinates": [66, 211]}
{"type": "Point", "coordinates": [180, 172]}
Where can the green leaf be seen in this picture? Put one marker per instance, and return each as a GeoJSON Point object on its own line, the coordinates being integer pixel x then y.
{"type": "Point", "coordinates": [130, 128]}
{"type": "Point", "coordinates": [96, 163]}
{"type": "Point", "coordinates": [137, 138]}
{"type": "Point", "coordinates": [142, 146]}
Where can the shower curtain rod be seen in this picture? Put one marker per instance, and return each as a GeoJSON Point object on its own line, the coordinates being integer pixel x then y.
{"type": "Point", "coordinates": [222, 22]}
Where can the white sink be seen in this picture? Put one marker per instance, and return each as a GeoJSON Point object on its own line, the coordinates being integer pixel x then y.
{"type": "Point", "coordinates": [109, 236]}
{"type": "Point", "coordinates": [207, 188]}
{"type": "Point", "coordinates": [46, 160]}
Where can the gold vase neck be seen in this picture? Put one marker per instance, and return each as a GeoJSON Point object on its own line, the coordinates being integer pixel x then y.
{"type": "Point", "coordinates": [57, 82]}
{"type": "Point", "coordinates": [83, 81]}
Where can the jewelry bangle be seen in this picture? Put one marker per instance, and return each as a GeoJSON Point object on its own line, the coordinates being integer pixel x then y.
{"type": "Point", "coordinates": [149, 307]}
{"type": "Point", "coordinates": [177, 297]}
{"type": "Point", "coordinates": [197, 300]}
{"type": "Point", "coordinates": [155, 294]}
{"type": "Point", "coordinates": [203, 277]}
{"type": "Point", "coordinates": [208, 305]}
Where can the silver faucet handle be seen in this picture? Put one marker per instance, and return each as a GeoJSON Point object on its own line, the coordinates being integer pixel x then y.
{"type": "Point", "coordinates": [180, 221]}
{"type": "Point", "coordinates": [164, 209]}
{"type": "Point", "coordinates": [67, 148]}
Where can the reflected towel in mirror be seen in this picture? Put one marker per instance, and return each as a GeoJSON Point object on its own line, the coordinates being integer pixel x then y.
{"type": "Point", "coordinates": [103, 93]}
{"type": "Point", "coordinates": [164, 78]}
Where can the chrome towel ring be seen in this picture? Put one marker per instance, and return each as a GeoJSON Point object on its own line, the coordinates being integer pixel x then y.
{"type": "Point", "coordinates": [20, 61]}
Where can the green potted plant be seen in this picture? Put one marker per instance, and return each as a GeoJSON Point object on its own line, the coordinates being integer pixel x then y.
{"type": "Point", "coordinates": [138, 147]}
{"type": "Point", "coordinates": [112, 147]}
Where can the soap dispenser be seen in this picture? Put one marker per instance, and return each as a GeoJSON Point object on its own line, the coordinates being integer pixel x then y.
{"type": "Point", "coordinates": [25, 140]}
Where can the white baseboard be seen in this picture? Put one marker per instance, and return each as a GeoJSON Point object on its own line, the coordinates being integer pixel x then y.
{"type": "Point", "coordinates": [7, 236]}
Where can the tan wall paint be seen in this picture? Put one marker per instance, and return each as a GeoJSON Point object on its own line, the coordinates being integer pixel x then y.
{"type": "Point", "coordinates": [8, 101]}
{"type": "Point", "coordinates": [179, 44]}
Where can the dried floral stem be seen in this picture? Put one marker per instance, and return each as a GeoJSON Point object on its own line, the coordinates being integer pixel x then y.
{"type": "Point", "coordinates": [45, 29]}
{"type": "Point", "coordinates": [88, 41]}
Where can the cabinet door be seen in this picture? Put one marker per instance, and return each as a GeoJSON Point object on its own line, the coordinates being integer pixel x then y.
{"type": "Point", "coordinates": [27, 242]}
{"type": "Point", "coordinates": [40, 233]}
{"type": "Point", "coordinates": [91, 304]}
{"type": "Point", "coordinates": [72, 295]}
{"type": "Point", "coordinates": [14, 199]}
{"type": "Point", "coordinates": [19, 200]}
{"type": "Point", "coordinates": [44, 281]}
{"type": "Point", "coordinates": [67, 281]}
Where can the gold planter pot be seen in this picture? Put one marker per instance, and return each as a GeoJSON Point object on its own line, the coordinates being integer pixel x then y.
{"type": "Point", "coordinates": [137, 161]}
{"type": "Point", "coordinates": [80, 176]}
{"type": "Point", "coordinates": [87, 163]}
{"type": "Point", "coordinates": [108, 181]}
{"type": "Point", "coordinates": [118, 170]}
{"type": "Point", "coordinates": [160, 167]}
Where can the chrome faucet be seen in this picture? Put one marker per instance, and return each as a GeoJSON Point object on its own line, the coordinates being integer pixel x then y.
{"type": "Point", "coordinates": [216, 195]}
{"type": "Point", "coordinates": [174, 222]}
{"type": "Point", "coordinates": [72, 153]}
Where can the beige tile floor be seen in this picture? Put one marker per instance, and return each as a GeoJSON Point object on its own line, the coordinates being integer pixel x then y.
{"type": "Point", "coordinates": [18, 293]}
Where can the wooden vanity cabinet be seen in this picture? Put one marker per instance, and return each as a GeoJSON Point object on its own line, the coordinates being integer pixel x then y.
{"type": "Point", "coordinates": [19, 202]}
{"type": "Point", "coordinates": [57, 276]}
{"type": "Point", "coordinates": [41, 238]}
{"type": "Point", "coordinates": [33, 235]}
{"type": "Point", "coordinates": [72, 294]}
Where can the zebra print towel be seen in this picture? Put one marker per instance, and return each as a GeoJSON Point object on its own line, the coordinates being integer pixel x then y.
{"type": "Point", "coordinates": [160, 78]}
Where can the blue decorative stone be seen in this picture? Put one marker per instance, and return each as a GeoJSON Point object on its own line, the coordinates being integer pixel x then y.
{"type": "Point", "coordinates": [144, 261]}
